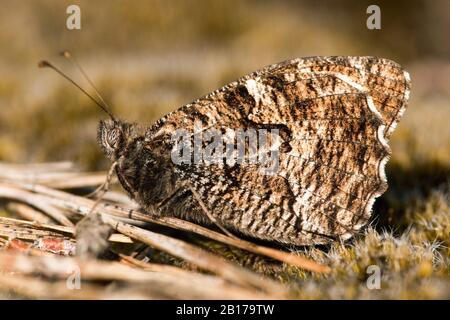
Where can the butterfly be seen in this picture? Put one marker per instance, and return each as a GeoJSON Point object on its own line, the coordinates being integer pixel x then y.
{"type": "Point", "coordinates": [335, 116]}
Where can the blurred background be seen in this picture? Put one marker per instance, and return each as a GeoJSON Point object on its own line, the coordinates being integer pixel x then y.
{"type": "Point", "coordinates": [151, 57]}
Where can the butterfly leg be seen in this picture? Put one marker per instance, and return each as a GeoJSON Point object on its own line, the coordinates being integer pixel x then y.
{"type": "Point", "coordinates": [91, 232]}
{"type": "Point", "coordinates": [103, 188]}
{"type": "Point", "coordinates": [209, 214]}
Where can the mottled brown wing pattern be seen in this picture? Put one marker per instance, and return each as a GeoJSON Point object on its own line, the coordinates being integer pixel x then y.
{"type": "Point", "coordinates": [336, 114]}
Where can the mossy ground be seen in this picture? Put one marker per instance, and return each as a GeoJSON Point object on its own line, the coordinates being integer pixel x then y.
{"type": "Point", "coordinates": [148, 59]}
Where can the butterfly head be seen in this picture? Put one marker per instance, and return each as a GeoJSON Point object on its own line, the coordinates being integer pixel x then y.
{"type": "Point", "coordinates": [112, 136]}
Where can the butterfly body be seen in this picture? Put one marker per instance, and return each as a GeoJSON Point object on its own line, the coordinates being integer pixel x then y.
{"type": "Point", "coordinates": [334, 115]}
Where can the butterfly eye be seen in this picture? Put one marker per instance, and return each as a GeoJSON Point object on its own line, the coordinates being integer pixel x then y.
{"type": "Point", "coordinates": [113, 138]}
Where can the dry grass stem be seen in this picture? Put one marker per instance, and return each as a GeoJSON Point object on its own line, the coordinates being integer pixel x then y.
{"type": "Point", "coordinates": [44, 232]}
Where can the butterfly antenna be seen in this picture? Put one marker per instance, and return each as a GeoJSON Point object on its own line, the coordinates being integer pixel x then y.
{"type": "Point", "coordinates": [46, 64]}
{"type": "Point", "coordinates": [66, 54]}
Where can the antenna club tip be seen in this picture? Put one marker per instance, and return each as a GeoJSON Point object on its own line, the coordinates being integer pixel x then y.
{"type": "Point", "coordinates": [43, 64]}
{"type": "Point", "coordinates": [65, 54]}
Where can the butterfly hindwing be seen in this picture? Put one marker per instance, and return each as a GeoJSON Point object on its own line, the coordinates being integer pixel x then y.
{"type": "Point", "coordinates": [334, 115]}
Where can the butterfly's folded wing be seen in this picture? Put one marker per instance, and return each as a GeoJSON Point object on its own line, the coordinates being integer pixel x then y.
{"type": "Point", "coordinates": [334, 115]}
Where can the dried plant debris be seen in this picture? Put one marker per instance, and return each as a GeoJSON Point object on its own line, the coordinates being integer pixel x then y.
{"type": "Point", "coordinates": [37, 256]}
{"type": "Point", "coordinates": [34, 232]}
